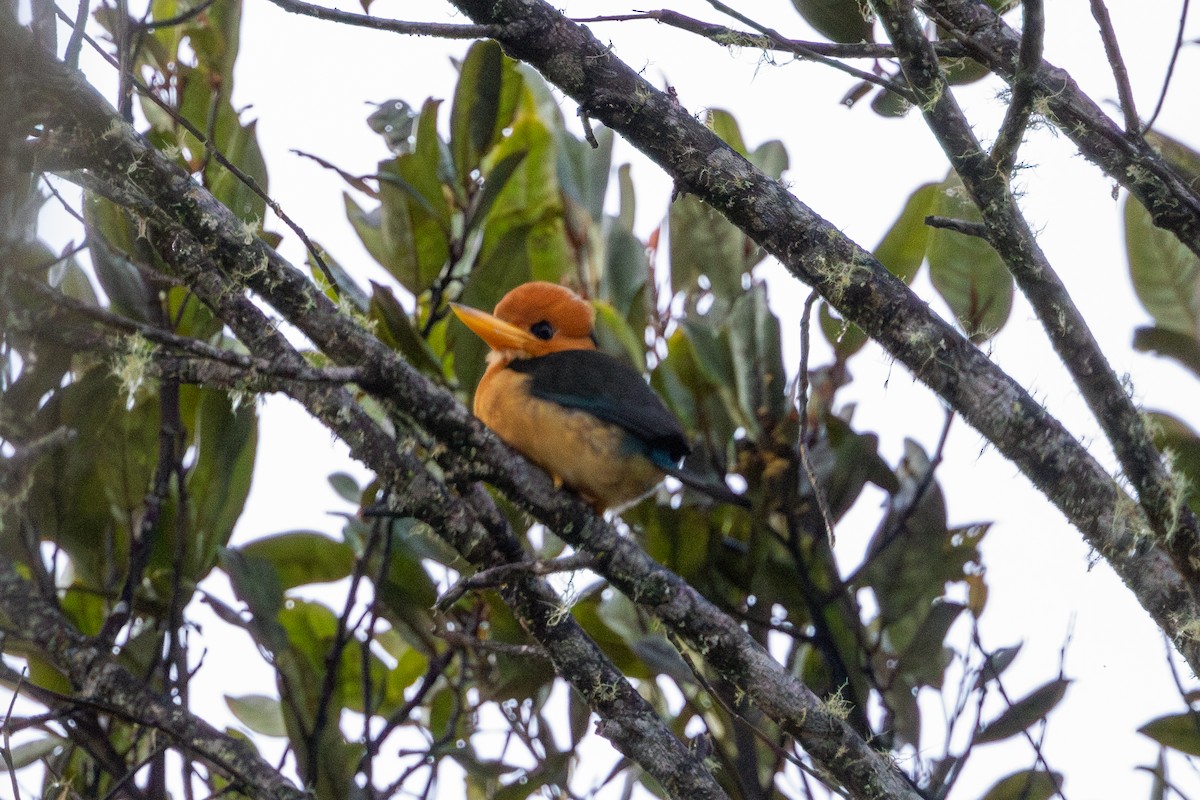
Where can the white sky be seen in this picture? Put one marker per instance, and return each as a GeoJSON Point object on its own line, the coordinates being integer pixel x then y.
{"type": "Point", "coordinates": [309, 84]}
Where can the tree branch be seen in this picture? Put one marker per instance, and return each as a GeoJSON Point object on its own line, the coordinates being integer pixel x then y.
{"type": "Point", "coordinates": [1133, 125]}
{"type": "Point", "coordinates": [862, 290]}
{"type": "Point", "coordinates": [1125, 157]}
{"type": "Point", "coordinates": [100, 682]}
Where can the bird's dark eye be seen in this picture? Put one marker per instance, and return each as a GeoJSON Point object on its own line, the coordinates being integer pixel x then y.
{"type": "Point", "coordinates": [542, 330]}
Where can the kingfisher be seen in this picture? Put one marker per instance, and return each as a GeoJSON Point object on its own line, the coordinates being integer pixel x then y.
{"type": "Point", "coordinates": [585, 417]}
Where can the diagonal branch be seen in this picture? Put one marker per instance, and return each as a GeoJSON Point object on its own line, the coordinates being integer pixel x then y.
{"type": "Point", "coordinates": [1124, 156]}
{"type": "Point", "coordinates": [862, 290]}
{"type": "Point", "coordinates": [1112, 49]}
{"type": "Point", "coordinates": [1174, 524]}
{"type": "Point", "coordinates": [1020, 102]}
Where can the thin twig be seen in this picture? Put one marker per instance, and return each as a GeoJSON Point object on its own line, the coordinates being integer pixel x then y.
{"type": "Point", "coordinates": [490, 578]}
{"type": "Point", "coordinates": [220, 158]}
{"type": "Point", "coordinates": [1020, 101]}
{"type": "Point", "coordinates": [803, 51]}
{"type": "Point", "coordinates": [1133, 126]}
{"type": "Point", "coordinates": [802, 399]}
{"type": "Point", "coordinates": [440, 30]}
{"type": "Point", "coordinates": [731, 37]}
{"type": "Point", "coordinates": [1162, 95]}
{"type": "Point", "coordinates": [963, 226]}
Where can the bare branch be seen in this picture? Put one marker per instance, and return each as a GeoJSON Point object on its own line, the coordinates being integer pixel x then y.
{"type": "Point", "coordinates": [1175, 51]}
{"type": "Point", "coordinates": [1175, 526]}
{"type": "Point", "coordinates": [1020, 102]}
{"type": "Point", "coordinates": [1112, 48]}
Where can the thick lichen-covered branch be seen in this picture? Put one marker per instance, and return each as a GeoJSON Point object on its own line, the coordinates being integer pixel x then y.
{"type": "Point", "coordinates": [1126, 157]}
{"type": "Point", "coordinates": [863, 291]}
{"type": "Point", "coordinates": [1174, 525]}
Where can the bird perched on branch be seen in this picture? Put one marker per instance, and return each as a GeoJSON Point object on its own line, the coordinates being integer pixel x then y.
{"type": "Point", "coordinates": [588, 419]}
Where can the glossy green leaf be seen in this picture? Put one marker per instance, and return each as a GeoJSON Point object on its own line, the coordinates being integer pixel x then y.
{"type": "Point", "coordinates": [226, 440]}
{"type": "Point", "coordinates": [396, 330]}
{"type": "Point", "coordinates": [723, 124]}
{"type": "Point", "coordinates": [415, 219]}
{"type": "Point", "coordinates": [903, 247]}
{"type": "Point", "coordinates": [395, 120]}
{"type": "Point", "coordinates": [494, 183]}
{"type": "Point", "coordinates": [258, 712]}
{"type": "Point", "coordinates": [838, 20]}
{"type": "Point", "coordinates": [968, 274]}
{"type": "Point", "coordinates": [583, 169]}
{"type": "Point", "coordinates": [1177, 731]}
{"type": "Point", "coordinates": [257, 584]}
{"type": "Point", "coordinates": [111, 237]}
{"type": "Point", "coordinates": [484, 102]}
{"type": "Point", "coordinates": [757, 357]}
{"type": "Point", "coordinates": [1026, 785]}
{"type": "Point", "coordinates": [771, 157]}
{"type": "Point", "coordinates": [1023, 713]}
{"type": "Point", "coordinates": [303, 557]}
{"type": "Point", "coordinates": [625, 276]}
{"type": "Point", "coordinates": [1166, 275]}
{"type": "Point", "coordinates": [1178, 154]}
{"type": "Point", "coordinates": [616, 338]}
{"type": "Point", "coordinates": [524, 237]}
{"type": "Point", "coordinates": [347, 289]}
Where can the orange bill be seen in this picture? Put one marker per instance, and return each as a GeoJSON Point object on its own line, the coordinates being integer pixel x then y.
{"type": "Point", "coordinates": [499, 334]}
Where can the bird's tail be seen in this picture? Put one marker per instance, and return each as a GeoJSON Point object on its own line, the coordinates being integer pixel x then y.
{"type": "Point", "coordinates": [709, 485]}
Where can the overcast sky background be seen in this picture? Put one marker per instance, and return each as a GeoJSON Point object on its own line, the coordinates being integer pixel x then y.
{"type": "Point", "coordinates": [310, 85]}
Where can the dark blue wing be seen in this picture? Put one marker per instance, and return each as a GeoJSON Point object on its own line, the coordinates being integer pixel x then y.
{"type": "Point", "coordinates": [596, 382]}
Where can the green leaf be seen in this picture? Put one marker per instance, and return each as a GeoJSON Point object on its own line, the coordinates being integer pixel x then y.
{"type": "Point", "coordinates": [1170, 344]}
{"type": "Point", "coordinates": [1166, 275]}
{"type": "Point", "coordinates": [704, 243]}
{"type": "Point", "coordinates": [395, 121]}
{"type": "Point", "coordinates": [757, 356]}
{"type": "Point", "coordinates": [1181, 445]}
{"type": "Point", "coordinates": [616, 338]}
{"type": "Point", "coordinates": [303, 557]}
{"type": "Point", "coordinates": [1025, 712]}
{"type": "Point", "coordinates": [845, 337]}
{"type": "Point", "coordinates": [226, 441]}
{"type": "Point", "coordinates": [626, 273]}
{"type": "Point", "coordinates": [484, 102]}
{"type": "Point", "coordinates": [838, 20]}
{"type": "Point", "coordinates": [33, 751]}
{"type": "Point", "coordinates": [346, 487]}
{"type": "Point", "coordinates": [258, 712]}
{"type": "Point", "coordinates": [771, 157]}
{"type": "Point", "coordinates": [925, 659]}
{"type": "Point", "coordinates": [1176, 731]}
{"type": "Point", "coordinates": [723, 124]}
{"type": "Point", "coordinates": [494, 182]}
{"type": "Point", "coordinates": [396, 330]}
{"type": "Point", "coordinates": [888, 104]}
{"type": "Point", "coordinates": [1026, 785]}
{"type": "Point", "coordinates": [968, 274]}
{"type": "Point", "coordinates": [524, 236]}
{"type": "Point", "coordinates": [111, 237]}
{"type": "Point", "coordinates": [903, 247]}
{"type": "Point", "coordinates": [995, 664]}
{"type": "Point", "coordinates": [256, 583]}
{"type": "Point", "coordinates": [347, 288]}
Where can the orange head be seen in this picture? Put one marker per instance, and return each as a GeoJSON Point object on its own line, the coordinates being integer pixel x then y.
{"type": "Point", "coordinates": [532, 320]}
